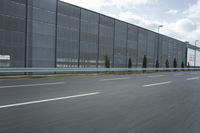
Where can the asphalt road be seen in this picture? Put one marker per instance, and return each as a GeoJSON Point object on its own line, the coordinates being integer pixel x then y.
{"type": "Point", "coordinates": [143, 103]}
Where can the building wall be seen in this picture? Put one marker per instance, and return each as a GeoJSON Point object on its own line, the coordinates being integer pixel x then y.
{"type": "Point", "coordinates": [151, 49]}
{"type": "Point", "coordinates": [132, 44]}
{"type": "Point", "coordinates": [51, 33]}
{"type": "Point", "coordinates": [88, 38]}
{"type": "Point", "coordinates": [164, 50]}
{"type": "Point", "coordinates": [170, 52]}
{"type": "Point", "coordinates": [106, 39]}
{"type": "Point", "coordinates": [142, 46]}
{"type": "Point", "coordinates": [68, 35]}
{"type": "Point", "coordinates": [172, 49]}
{"type": "Point", "coordinates": [120, 45]}
{"type": "Point", "coordinates": [41, 31]}
{"type": "Point", "coordinates": [193, 56]}
{"type": "Point", "coordinates": [12, 33]}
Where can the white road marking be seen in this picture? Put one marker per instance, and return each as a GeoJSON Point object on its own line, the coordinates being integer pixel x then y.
{"type": "Point", "coordinates": [48, 100]}
{"type": "Point", "coordinates": [179, 74]}
{"type": "Point", "coordinates": [29, 85]}
{"type": "Point", "coordinates": [113, 79]}
{"type": "Point", "coordinates": [155, 76]}
{"type": "Point", "coordinates": [193, 73]}
{"type": "Point", "coordinates": [156, 84]}
{"type": "Point", "coordinates": [194, 78]}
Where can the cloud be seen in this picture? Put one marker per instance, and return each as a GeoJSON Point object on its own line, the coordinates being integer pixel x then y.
{"type": "Point", "coordinates": [193, 11]}
{"type": "Point", "coordinates": [172, 12]}
{"type": "Point", "coordinates": [185, 28]}
{"type": "Point", "coordinates": [129, 3]}
{"type": "Point", "coordinates": [125, 10]}
{"type": "Point", "coordinates": [193, 14]}
{"type": "Point", "coordinates": [90, 4]}
{"type": "Point", "coordinates": [185, 25]}
{"type": "Point", "coordinates": [139, 20]}
{"type": "Point", "coordinates": [97, 5]}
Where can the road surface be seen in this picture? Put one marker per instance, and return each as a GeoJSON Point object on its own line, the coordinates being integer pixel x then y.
{"type": "Point", "coordinates": [142, 103]}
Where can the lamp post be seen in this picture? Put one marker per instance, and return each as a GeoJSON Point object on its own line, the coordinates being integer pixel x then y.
{"type": "Point", "coordinates": [195, 55]}
{"type": "Point", "coordinates": [159, 26]}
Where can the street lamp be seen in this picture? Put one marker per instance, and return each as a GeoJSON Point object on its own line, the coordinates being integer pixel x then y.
{"type": "Point", "coordinates": [159, 26]}
{"type": "Point", "coordinates": [195, 53]}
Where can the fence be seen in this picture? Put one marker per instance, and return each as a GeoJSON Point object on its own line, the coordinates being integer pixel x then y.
{"type": "Point", "coordinates": [4, 71]}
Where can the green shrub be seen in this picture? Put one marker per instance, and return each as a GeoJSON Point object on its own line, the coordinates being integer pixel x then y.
{"type": "Point", "coordinates": [157, 64]}
{"type": "Point", "coordinates": [144, 64]}
{"type": "Point", "coordinates": [129, 63]}
{"type": "Point", "coordinates": [175, 63]}
{"type": "Point", "coordinates": [107, 61]}
{"type": "Point", "coordinates": [167, 63]}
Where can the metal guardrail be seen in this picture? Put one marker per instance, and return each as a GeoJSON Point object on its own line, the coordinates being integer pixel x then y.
{"type": "Point", "coordinates": [76, 70]}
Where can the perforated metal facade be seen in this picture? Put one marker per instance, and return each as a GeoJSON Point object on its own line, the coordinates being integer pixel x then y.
{"type": "Point", "coordinates": [12, 33]}
{"type": "Point", "coordinates": [51, 33]}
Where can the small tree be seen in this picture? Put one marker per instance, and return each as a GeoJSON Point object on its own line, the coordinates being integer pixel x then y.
{"type": "Point", "coordinates": [167, 63]}
{"type": "Point", "coordinates": [107, 61]}
{"type": "Point", "coordinates": [129, 63]}
{"type": "Point", "coordinates": [144, 64]}
{"type": "Point", "coordinates": [157, 64]}
{"type": "Point", "coordinates": [175, 63]}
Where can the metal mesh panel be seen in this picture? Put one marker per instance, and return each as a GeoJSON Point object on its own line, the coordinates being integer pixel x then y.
{"type": "Point", "coordinates": [120, 44]}
{"type": "Point", "coordinates": [106, 39]}
{"type": "Point", "coordinates": [89, 39]}
{"type": "Point", "coordinates": [41, 32]}
{"type": "Point", "coordinates": [12, 33]}
{"type": "Point", "coordinates": [132, 44]}
{"type": "Point", "coordinates": [151, 49]}
{"type": "Point", "coordinates": [142, 46]}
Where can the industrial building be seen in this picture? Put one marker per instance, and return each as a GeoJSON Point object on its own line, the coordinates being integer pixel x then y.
{"type": "Point", "coordinates": [52, 33]}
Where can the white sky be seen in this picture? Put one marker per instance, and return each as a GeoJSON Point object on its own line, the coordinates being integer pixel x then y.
{"type": "Point", "coordinates": [181, 18]}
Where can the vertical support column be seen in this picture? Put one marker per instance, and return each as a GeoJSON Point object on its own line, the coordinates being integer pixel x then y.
{"type": "Point", "coordinates": [56, 33]}
{"type": "Point", "coordinates": [97, 62]}
{"type": "Point", "coordinates": [137, 48]}
{"type": "Point", "coordinates": [173, 52]}
{"type": "Point", "coordinates": [79, 47]}
{"type": "Point", "coordinates": [158, 47]}
{"type": "Point", "coordinates": [186, 53]}
{"type": "Point", "coordinates": [195, 54]}
{"type": "Point", "coordinates": [113, 64]}
{"type": "Point", "coordinates": [26, 35]}
{"type": "Point", "coordinates": [147, 47]}
{"type": "Point", "coordinates": [155, 51]}
{"type": "Point", "coordinates": [126, 45]}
